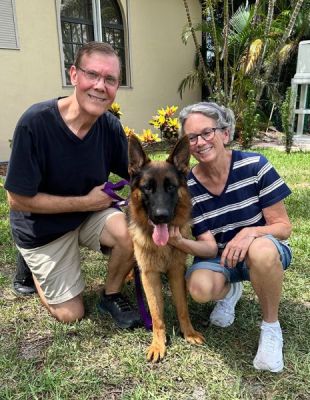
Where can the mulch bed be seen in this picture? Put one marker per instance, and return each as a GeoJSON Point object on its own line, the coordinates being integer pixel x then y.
{"type": "Point", "coordinates": [3, 168]}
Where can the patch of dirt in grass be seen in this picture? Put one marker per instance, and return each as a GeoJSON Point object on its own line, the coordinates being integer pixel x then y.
{"type": "Point", "coordinates": [7, 294]}
{"type": "Point", "coordinates": [7, 270]}
{"type": "Point", "coordinates": [33, 346]}
{"type": "Point", "coordinates": [113, 393]}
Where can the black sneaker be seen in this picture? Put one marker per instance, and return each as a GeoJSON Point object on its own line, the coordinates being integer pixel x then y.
{"type": "Point", "coordinates": [24, 288]}
{"type": "Point", "coordinates": [120, 310]}
{"type": "Point", "coordinates": [23, 284]}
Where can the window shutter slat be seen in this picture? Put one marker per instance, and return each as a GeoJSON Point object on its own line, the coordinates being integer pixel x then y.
{"type": "Point", "coordinates": [8, 34]}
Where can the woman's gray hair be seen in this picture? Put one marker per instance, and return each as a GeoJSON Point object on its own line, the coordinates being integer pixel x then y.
{"type": "Point", "coordinates": [223, 116]}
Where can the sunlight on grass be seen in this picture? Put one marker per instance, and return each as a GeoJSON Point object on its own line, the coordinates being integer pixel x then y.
{"type": "Point", "coordinates": [92, 359]}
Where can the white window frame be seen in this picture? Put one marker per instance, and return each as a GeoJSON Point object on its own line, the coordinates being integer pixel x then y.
{"type": "Point", "coordinates": [97, 36]}
{"type": "Point", "coordinates": [8, 23]}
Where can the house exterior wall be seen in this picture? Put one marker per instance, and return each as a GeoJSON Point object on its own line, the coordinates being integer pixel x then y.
{"type": "Point", "coordinates": [158, 62]}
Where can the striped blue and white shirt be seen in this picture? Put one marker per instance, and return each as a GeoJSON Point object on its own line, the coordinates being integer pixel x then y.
{"type": "Point", "coordinates": [252, 185]}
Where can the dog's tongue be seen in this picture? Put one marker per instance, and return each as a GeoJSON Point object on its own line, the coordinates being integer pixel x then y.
{"type": "Point", "coordinates": [160, 234]}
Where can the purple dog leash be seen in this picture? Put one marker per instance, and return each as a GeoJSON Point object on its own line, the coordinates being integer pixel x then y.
{"type": "Point", "coordinates": [118, 201]}
{"type": "Point", "coordinates": [110, 188]}
{"type": "Point", "coordinates": [146, 318]}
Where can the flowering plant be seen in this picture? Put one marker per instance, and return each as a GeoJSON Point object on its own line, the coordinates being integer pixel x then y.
{"type": "Point", "coordinates": [147, 136]}
{"type": "Point", "coordinates": [115, 109]}
{"type": "Point", "coordinates": [164, 121]}
{"type": "Point", "coordinates": [129, 131]}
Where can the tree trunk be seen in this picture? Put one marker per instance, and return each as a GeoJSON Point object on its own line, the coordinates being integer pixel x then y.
{"type": "Point", "coordinates": [254, 18]}
{"type": "Point", "coordinates": [274, 61]}
{"type": "Point", "coordinates": [269, 19]}
{"type": "Point", "coordinates": [225, 51]}
{"type": "Point", "coordinates": [201, 60]}
{"type": "Point", "coordinates": [216, 52]}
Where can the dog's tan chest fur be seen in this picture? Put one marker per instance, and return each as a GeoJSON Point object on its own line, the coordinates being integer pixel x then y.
{"type": "Point", "coordinates": [155, 258]}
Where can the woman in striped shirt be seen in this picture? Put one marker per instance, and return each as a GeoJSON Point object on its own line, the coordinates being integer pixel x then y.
{"type": "Point", "coordinates": [240, 225]}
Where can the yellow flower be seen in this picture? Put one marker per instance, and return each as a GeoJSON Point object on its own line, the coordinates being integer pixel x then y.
{"type": "Point", "coordinates": [173, 123]}
{"type": "Point", "coordinates": [163, 121]}
{"type": "Point", "coordinates": [148, 136]}
{"type": "Point", "coordinates": [116, 110]}
{"type": "Point", "coordinates": [129, 131]}
{"type": "Point", "coordinates": [171, 110]}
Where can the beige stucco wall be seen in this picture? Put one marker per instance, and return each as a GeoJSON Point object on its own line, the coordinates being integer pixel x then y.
{"type": "Point", "coordinates": [158, 62]}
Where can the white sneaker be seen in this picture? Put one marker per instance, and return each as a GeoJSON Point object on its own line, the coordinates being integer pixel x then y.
{"type": "Point", "coordinates": [269, 355]}
{"type": "Point", "coordinates": [223, 313]}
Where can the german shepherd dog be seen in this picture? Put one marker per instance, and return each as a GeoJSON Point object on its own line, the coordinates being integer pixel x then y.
{"type": "Point", "coordinates": [159, 199]}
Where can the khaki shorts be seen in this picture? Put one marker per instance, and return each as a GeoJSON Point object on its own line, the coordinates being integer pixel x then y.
{"type": "Point", "coordinates": [56, 265]}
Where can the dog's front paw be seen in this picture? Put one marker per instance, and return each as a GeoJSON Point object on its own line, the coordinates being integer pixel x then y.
{"type": "Point", "coordinates": [194, 337]}
{"type": "Point", "coordinates": [156, 351]}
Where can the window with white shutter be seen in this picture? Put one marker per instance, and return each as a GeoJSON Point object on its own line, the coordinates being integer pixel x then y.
{"type": "Point", "coordinates": [8, 27]}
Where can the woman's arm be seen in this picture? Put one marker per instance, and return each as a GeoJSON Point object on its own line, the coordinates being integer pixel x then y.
{"type": "Point", "coordinates": [204, 246]}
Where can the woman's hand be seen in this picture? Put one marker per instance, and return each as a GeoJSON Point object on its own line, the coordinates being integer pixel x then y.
{"type": "Point", "coordinates": [174, 235]}
{"type": "Point", "coordinates": [236, 250]}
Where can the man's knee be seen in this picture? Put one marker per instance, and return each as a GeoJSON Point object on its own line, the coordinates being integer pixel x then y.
{"type": "Point", "coordinates": [69, 311]}
{"type": "Point", "coordinates": [123, 239]}
{"type": "Point", "coordinates": [116, 234]}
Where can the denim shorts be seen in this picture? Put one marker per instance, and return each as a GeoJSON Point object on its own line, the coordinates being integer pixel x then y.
{"type": "Point", "coordinates": [241, 272]}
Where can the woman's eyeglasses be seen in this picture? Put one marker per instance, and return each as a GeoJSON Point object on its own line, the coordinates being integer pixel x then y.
{"type": "Point", "coordinates": [207, 134]}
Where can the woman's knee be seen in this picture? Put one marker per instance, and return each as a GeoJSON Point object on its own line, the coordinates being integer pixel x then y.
{"type": "Point", "coordinates": [263, 255]}
{"type": "Point", "coordinates": [203, 287]}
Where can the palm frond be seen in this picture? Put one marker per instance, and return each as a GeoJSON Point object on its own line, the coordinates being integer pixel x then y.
{"type": "Point", "coordinates": [192, 79]}
{"type": "Point", "coordinates": [199, 27]}
{"type": "Point", "coordinates": [249, 61]}
{"type": "Point", "coordinates": [240, 29]}
{"type": "Point", "coordinates": [285, 52]}
{"type": "Point", "coordinates": [239, 20]}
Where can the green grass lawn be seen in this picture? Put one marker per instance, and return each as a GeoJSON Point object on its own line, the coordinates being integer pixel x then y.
{"type": "Point", "coordinates": [92, 359]}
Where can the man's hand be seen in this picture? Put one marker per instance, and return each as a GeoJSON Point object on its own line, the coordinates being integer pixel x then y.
{"type": "Point", "coordinates": [97, 199]}
{"type": "Point", "coordinates": [236, 250]}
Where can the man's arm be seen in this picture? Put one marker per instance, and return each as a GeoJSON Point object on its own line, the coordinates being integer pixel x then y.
{"type": "Point", "coordinates": [277, 224]}
{"type": "Point", "coordinates": [43, 203]}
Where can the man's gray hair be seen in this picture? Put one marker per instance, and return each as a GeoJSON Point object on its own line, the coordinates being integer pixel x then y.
{"type": "Point", "coordinates": [223, 116]}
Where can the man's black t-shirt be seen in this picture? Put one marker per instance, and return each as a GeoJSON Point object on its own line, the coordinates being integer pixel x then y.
{"type": "Point", "coordinates": [47, 157]}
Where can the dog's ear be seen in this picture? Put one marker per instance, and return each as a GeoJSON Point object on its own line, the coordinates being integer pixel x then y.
{"type": "Point", "coordinates": [180, 155]}
{"type": "Point", "coordinates": [136, 155]}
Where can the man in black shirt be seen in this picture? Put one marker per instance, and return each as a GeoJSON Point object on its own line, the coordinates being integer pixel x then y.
{"type": "Point", "coordinates": [63, 152]}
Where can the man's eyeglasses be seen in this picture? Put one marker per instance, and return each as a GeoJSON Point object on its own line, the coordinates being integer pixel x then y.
{"type": "Point", "coordinates": [94, 77]}
{"type": "Point", "coordinates": [207, 134]}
